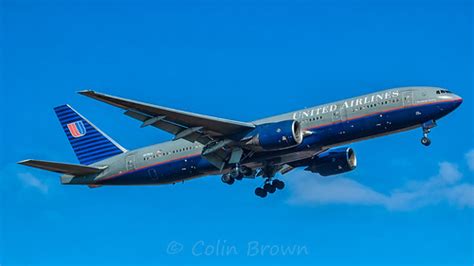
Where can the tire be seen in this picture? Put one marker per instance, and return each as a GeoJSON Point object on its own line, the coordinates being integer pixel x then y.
{"type": "Point", "coordinates": [228, 179]}
{"type": "Point", "coordinates": [279, 184]}
{"type": "Point", "coordinates": [245, 171]}
{"type": "Point", "coordinates": [234, 173]}
{"type": "Point", "coordinates": [260, 192]}
{"type": "Point", "coordinates": [224, 179]}
{"type": "Point", "coordinates": [425, 141]}
{"type": "Point", "coordinates": [272, 189]}
{"type": "Point", "coordinates": [269, 188]}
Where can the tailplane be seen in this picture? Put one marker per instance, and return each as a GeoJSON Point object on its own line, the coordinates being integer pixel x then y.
{"type": "Point", "coordinates": [63, 168]}
{"type": "Point", "coordinates": [89, 143]}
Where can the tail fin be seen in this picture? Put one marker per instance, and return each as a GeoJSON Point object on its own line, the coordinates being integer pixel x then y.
{"type": "Point", "coordinates": [89, 143]}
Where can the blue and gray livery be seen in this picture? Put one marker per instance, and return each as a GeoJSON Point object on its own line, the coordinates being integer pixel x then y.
{"type": "Point", "coordinates": [312, 138]}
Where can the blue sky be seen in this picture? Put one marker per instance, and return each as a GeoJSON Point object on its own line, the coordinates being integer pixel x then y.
{"type": "Point", "coordinates": [244, 60]}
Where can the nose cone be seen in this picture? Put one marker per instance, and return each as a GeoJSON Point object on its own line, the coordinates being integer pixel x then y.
{"type": "Point", "coordinates": [449, 102]}
{"type": "Point", "coordinates": [457, 100]}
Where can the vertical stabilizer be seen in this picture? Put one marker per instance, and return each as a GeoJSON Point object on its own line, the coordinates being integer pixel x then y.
{"type": "Point", "coordinates": [89, 143]}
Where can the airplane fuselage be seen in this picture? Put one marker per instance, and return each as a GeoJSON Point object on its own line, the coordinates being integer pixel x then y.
{"type": "Point", "coordinates": [329, 125]}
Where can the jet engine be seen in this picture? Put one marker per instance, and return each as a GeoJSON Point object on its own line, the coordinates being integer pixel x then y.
{"type": "Point", "coordinates": [333, 162]}
{"type": "Point", "coordinates": [275, 136]}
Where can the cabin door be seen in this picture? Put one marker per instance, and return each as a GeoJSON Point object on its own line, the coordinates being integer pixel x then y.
{"type": "Point", "coordinates": [407, 98]}
{"type": "Point", "coordinates": [339, 115]}
{"type": "Point", "coordinates": [130, 162]}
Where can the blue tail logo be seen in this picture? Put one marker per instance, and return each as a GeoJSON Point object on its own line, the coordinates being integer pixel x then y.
{"type": "Point", "coordinates": [77, 129]}
{"type": "Point", "coordinates": [89, 148]}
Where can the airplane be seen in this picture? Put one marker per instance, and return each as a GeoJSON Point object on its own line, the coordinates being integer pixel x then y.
{"type": "Point", "coordinates": [313, 138]}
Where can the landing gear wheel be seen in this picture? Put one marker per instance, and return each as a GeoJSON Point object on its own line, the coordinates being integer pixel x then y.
{"type": "Point", "coordinates": [245, 171]}
{"type": "Point", "coordinates": [260, 192]}
{"type": "Point", "coordinates": [235, 173]}
{"type": "Point", "coordinates": [427, 126]}
{"type": "Point", "coordinates": [228, 179]}
{"type": "Point", "coordinates": [425, 141]}
{"type": "Point", "coordinates": [278, 184]}
{"type": "Point", "coordinates": [269, 188]}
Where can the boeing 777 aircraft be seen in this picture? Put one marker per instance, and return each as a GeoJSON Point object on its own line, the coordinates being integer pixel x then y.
{"type": "Point", "coordinates": [205, 145]}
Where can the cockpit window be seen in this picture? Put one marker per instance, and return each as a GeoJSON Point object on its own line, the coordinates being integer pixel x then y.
{"type": "Point", "coordinates": [442, 91]}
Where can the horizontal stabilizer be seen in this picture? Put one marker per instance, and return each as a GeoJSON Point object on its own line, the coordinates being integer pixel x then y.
{"type": "Point", "coordinates": [63, 168]}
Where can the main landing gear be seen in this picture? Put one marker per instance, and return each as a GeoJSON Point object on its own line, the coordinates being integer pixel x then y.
{"type": "Point", "coordinates": [426, 130]}
{"type": "Point", "coordinates": [237, 173]}
{"type": "Point", "coordinates": [269, 187]}
{"type": "Point", "coordinates": [228, 179]}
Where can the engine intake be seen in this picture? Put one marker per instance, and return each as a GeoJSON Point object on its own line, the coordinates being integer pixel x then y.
{"type": "Point", "coordinates": [333, 162]}
{"type": "Point", "coordinates": [275, 136]}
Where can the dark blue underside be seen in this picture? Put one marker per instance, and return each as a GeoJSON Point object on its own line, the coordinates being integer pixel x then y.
{"type": "Point", "coordinates": [322, 136]}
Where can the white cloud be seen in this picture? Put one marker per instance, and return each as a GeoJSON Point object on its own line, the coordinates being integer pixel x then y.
{"type": "Point", "coordinates": [308, 188]}
{"type": "Point", "coordinates": [462, 195]}
{"type": "Point", "coordinates": [448, 173]}
{"type": "Point", "coordinates": [470, 159]}
{"type": "Point", "coordinates": [32, 181]}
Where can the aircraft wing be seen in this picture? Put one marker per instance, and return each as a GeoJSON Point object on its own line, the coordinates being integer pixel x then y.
{"type": "Point", "coordinates": [182, 124]}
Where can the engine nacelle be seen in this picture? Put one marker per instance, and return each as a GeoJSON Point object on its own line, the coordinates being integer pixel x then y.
{"type": "Point", "coordinates": [333, 162]}
{"type": "Point", "coordinates": [275, 136]}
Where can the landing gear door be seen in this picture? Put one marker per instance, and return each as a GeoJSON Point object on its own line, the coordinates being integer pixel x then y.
{"type": "Point", "coordinates": [130, 162]}
{"type": "Point", "coordinates": [407, 98]}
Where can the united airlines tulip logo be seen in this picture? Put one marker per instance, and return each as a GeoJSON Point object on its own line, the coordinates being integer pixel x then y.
{"type": "Point", "coordinates": [77, 129]}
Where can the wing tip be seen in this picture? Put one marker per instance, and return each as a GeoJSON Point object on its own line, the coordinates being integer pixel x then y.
{"type": "Point", "coordinates": [24, 162]}
{"type": "Point", "coordinates": [86, 92]}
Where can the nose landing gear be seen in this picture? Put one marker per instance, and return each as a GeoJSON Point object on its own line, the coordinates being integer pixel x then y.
{"type": "Point", "coordinates": [426, 130]}
{"type": "Point", "coordinates": [425, 140]}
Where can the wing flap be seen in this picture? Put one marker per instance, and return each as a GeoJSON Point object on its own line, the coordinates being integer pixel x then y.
{"type": "Point", "coordinates": [154, 121]}
{"type": "Point", "coordinates": [63, 168]}
{"type": "Point", "coordinates": [179, 131]}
